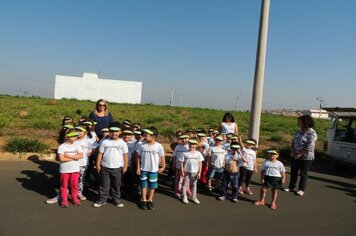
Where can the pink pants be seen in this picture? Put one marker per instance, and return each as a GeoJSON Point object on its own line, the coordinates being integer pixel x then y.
{"type": "Point", "coordinates": [73, 179]}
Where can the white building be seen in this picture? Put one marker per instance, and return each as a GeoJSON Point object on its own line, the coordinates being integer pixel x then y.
{"type": "Point", "coordinates": [91, 87]}
{"type": "Point", "coordinates": [317, 113]}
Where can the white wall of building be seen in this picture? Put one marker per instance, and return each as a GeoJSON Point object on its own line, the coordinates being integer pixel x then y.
{"type": "Point", "coordinates": [91, 87]}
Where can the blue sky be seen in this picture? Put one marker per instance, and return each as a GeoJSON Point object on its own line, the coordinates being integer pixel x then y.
{"type": "Point", "coordinates": [204, 49]}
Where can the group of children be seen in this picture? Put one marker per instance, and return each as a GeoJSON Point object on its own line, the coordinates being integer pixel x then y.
{"type": "Point", "coordinates": [130, 156]}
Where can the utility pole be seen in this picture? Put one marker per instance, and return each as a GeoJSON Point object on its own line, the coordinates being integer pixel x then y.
{"type": "Point", "coordinates": [171, 101]}
{"type": "Point", "coordinates": [181, 99]}
{"type": "Point", "coordinates": [238, 95]}
{"type": "Point", "coordinates": [256, 104]}
{"type": "Point", "coordinates": [321, 100]}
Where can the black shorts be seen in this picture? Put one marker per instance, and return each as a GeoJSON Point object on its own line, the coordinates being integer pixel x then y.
{"type": "Point", "coordinates": [272, 182]}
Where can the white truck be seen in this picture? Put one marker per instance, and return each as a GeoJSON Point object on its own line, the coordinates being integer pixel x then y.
{"type": "Point", "coordinates": [341, 135]}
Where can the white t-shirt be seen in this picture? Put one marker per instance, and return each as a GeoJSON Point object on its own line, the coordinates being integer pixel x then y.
{"type": "Point", "coordinates": [273, 168]}
{"type": "Point", "coordinates": [178, 152]}
{"type": "Point", "coordinates": [217, 156]}
{"type": "Point", "coordinates": [86, 145]}
{"type": "Point", "coordinates": [251, 158]}
{"type": "Point", "coordinates": [69, 149]}
{"type": "Point", "coordinates": [191, 161]}
{"type": "Point", "coordinates": [228, 128]}
{"type": "Point", "coordinates": [113, 153]}
{"type": "Point", "coordinates": [150, 155]}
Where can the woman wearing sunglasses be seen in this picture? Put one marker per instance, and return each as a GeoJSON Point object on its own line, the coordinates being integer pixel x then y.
{"type": "Point", "coordinates": [101, 116]}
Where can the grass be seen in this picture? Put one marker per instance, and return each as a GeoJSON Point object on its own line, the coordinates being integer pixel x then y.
{"type": "Point", "coordinates": [22, 115]}
{"type": "Point", "coordinates": [22, 145]}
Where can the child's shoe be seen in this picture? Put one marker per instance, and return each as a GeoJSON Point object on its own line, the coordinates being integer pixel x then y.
{"type": "Point", "coordinates": [210, 188]}
{"type": "Point", "coordinates": [143, 205]}
{"type": "Point", "coordinates": [241, 192]}
{"type": "Point", "coordinates": [221, 198]}
{"type": "Point", "coordinates": [248, 191]}
{"type": "Point", "coordinates": [177, 195]}
{"type": "Point", "coordinates": [119, 204]}
{"type": "Point", "coordinates": [196, 201]}
{"type": "Point", "coordinates": [64, 204]}
{"type": "Point", "coordinates": [53, 200]}
{"type": "Point", "coordinates": [76, 202]}
{"type": "Point", "coordinates": [81, 197]}
{"type": "Point", "coordinates": [235, 200]}
{"type": "Point", "coordinates": [300, 193]}
{"type": "Point", "coordinates": [185, 201]}
{"type": "Point", "coordinates": [150, 205]}
{"type": "Point", "coordinates": [98, 204]}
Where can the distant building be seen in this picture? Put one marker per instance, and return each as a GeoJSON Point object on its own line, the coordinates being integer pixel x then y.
{"type": "Point", "coordinates": [317, 113]}
{"type": "Point", "coordinates": [91, 87]}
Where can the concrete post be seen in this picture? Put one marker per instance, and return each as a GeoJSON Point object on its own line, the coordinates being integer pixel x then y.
{"type": "Point", "coordinates": [256, 104]}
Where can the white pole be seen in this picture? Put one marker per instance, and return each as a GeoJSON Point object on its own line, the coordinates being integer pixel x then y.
{"type": "Point", "coordinates": [256, 104]}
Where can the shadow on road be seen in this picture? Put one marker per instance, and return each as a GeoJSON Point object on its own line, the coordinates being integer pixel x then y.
{"type": "Point", "coordinates": [45, 181]}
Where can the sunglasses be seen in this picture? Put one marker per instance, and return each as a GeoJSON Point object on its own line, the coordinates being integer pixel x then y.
{"type": "Point", "coordinates": [102, 105]}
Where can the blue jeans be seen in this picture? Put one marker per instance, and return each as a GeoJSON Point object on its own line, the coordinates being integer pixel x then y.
{"type": "Point", "coordinates": [234, 179]}
{"type": "Point", "coordinates": [303, 167]}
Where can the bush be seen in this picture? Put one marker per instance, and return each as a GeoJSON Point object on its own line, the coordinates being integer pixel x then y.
{"type": "Point", "coordinates": [21, 145]}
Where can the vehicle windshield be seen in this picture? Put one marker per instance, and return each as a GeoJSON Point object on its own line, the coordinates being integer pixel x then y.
{"type": "Point", "coordinates": [346, 130]}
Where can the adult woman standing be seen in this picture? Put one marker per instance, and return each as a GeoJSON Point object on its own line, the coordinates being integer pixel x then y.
{"type": "Point", "coordinates": [102, 116]}
{"type": "Point", "coordinates": [302, 153]}
{"type": "Point", "coordinates": [228, 124]}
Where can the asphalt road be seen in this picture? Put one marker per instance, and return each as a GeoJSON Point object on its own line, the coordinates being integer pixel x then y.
{"type": "Point", "coordinates": [327, 208]}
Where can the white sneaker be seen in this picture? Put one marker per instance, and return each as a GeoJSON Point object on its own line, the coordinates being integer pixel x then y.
{"type": "Point", "coordinates": [98, 204]}
{"type": "Point", "coordinates": [196, 201]}
{"type": "Point", "coordinates": [235, 200]}
{"type": "Point", "coordinates": [81, 197]}
{"type": "Point", "coordinates": [52, 200]}
{"type": "Point", "coordinates": [120, 205]}
{"type": "Point", "coordinates": [300, 193]}
{"type": "Point", "coordinates": [221, 198]}
{"type": "Point", "coordinates": [185, 201]}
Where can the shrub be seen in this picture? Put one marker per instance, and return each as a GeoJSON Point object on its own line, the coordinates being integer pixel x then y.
{"type": "Point", "coordinates": [21, 145]}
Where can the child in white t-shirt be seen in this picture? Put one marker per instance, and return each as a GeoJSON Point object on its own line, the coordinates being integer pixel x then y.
{"type": "Point", "coordinates": [149, 156]}
{"type": "Point", "coordinates": [249, 167]}
{"type": "Point", "coordinates": [231, 171]}
{"type": "Point", "coordinates": [181, 148]}
{"type": "Point", "coordinates": [129, 177]}
{"type": "Point", "coordinates": [191, 165]}
{"type": "Point", "coordinates": [86, 145]}
{"type": "Point", "coordinates": [69, 153]}
{"type": "Point", "coordinates": [111, 164]}
{"type": "Point", "coordinates": [216, 159]}
{"type": "Point", "coordinates": [272, 176]}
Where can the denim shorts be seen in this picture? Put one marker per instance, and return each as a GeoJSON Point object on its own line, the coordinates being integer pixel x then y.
{"type": "Point", "coordinates": [215, 172]}
{"type": "Point", "coordinates": [149, 180]}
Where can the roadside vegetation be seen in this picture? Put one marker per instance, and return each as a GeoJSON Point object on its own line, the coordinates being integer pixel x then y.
{"type": "Point", "coordinates": [40, 119]}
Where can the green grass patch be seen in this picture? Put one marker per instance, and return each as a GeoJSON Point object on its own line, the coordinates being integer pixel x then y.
{"type": "Point", "coordinates": [22, 145]}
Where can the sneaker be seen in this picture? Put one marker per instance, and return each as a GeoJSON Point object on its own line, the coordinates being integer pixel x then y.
{"type": "Point", "coordinates": [241, 192]}
{"type": "Point", "coordinates": [98, 204]}
{"type": "Point", "coordinates": [210, 188]}
{"type": "Point", "coordinates": [288, 190]}
{"type": "Point", "coordinates": [221, 198]}
{"type": "Point", "coordinates": [76, 202]}
{"type": "Point", "coordinates": [143, 205]}
{"type": "Point", "coordinates": [52, 200]}
{"type": "Point", "coordinates": [81, 197]}
{"type": "Point", "coordinates": [300, 193]}
{"type": "Point", "coordinates": [177, 195]}
{"type": "Point", "coordinates": [185, 200]}
{"type": "Point", "coordinates": [64, 204]}
{"type": "Point", "coordinates": [235, 200]}
{"type": "Point", "coordinates": [119, 205]}
{"type": "Point", "coordinates": [196, 201]}
{"type": "Point", "coordinates": [150, 205]}
{"type": "Point", "coordinates": [248, 191]}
